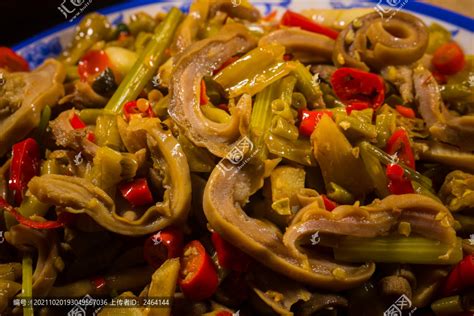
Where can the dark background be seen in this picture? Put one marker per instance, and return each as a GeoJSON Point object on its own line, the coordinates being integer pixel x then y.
{"type": "Point", "coordinates": [21, 19]}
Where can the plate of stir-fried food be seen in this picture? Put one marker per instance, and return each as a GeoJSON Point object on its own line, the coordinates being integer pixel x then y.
{"type": "Point", "coordinates": [240, 158]}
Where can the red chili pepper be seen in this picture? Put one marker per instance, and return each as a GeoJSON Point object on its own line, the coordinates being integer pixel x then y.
{"type": "Point", "coordinates": [131, 108]}
{"type": "Point", "coordinates": [440, 78]}
{"type": "Point", "coordinates": [351, 85]}
{"type": "Point", "coordinates": [24, 166]}
{"type": "Point", "coordinates": [271, 16]}
{"type": "Point", "coordinates": [29, 222]}
{"type": "Point", "coordinates": [449, 59]}
{"type": "Point", "coordinates": [224, 313]}
{"type": "Point", "coordinates": [137, 192]}
{"type": "Point", "coordinates": [165, 244]}
{"type": "Point", "coordinates": [92, 63]}
{"type": "Point", "coordinates": [405, 111]}
{"type": "Point", "coordinates": [11, 61]}
{"type": "Point", "coordinates": [224, 107]}
{"type": "Point", "coordinates": [329, 204]}
{"type": "Point", "coordinates": [77, 123]}
{"type": "Point", "coordinates": [225, 64]}
{"type": "Point", "coordinates": [309, 120]}
{"type": "Point", "coordinates": [399, 144]}
{"type": "Point", "coordinates": [287, 57]}
{"type": "Point", "coordinates": [198, 277]}
{"type": "Point", "coordinates": [203, 98]}
{"type": "Point", "coordinates": [356, 106]}
{"type": "Point", "coordinates": [291, 18]}
{"type": "Point", "coordinates": [398, 183]}
{"type": "Point", "coordinates": [229, 257]}
{"type": "Point", "coordinates": [460, 277]}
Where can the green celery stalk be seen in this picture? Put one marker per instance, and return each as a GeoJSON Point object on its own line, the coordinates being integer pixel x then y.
{"type": "Point", "coordinates": [385, 158]}
{"type": "Point", "coordinates": [147, 64]}
{"type": "Point", "coordinates": [414, 250]}
{"type": "Point", "coordinates": [261, 118]}
{"type": "Point", "coordinates": [27, 283]}
{"type": "Point", "coordinates": [305, 83]}
{"type": "Point", "coordinates": [447, 305]}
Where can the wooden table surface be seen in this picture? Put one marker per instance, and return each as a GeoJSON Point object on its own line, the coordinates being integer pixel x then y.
{"type": "Point", "coordinates": [465, 7]}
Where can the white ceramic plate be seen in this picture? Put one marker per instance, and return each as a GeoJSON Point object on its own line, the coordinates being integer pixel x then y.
{"type": "Point", "coordinates": [51, 42]}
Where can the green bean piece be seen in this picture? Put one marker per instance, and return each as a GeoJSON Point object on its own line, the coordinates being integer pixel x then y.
{"type": "Point", "coordinates": [299, 151]}
{"type": "Point", "coordinates": [107, 133]}
{"type": "Point", "coordinates": [215, 114]}
{"type": "Point", "coordinates": [214, 91]}
{"type": "Point", "coordinates": [248, 66]}
{"type": "Point", "coordinates": [283, 128]}
{"type": "Point", "coordinates": [413, 250]}
{"type": "Point", "coordinates": [421, 189]}
{"type": "Point", "coordinates": [298, 101]}
{"type": "Point", "coordinates": [337, 158]}
{"type": "Point", "coordinates": [447, 305]}
{"type": "Point", "coordinates": [282, 109]}
{"type": "Point", "coordinates": [386, 159]}
{"type": "Point", "coordinates": [143, 38]}
{"type": "Point", "coordinates": [438, 36]}
{"type": "Point", "coordinates": [147, 63]}
{"type": "Point", "coordinates": [355, 126]}
{"type": "Point", "coordinates": [339, 194]}
{"type": "Point", "coordinates": [71, 73]}
{"type": "Point", "coordinates": [287, 86]}
{"type": "Point", "coordinates": [27, 283]}
{"type": "Point", "coordinates": [467, 223]}
{"type": "Point", "coordinates": [385, 125]}
{"type": "Point", "coordinates": [306, 84]}
{"type": "Point", "coordinates": [106, 170]}
{"type": "Point", "coordinates": [141, 22]}
{"type": "Point", "coordinates": [43, 124]}
{"type": "Point", "coordinates": [376, 172]}
{"type": "Point", "coordinates": [89, 116]}
{"type": "Point", "coordinates": [93, 27]}
{"type": "Point", "coordinates": [261, 118]}
{"type": "Point", "coordinates": [261, 80]}
{"type": "Point", "coordinates": [199, 159]}
{"type": "Point", "coordinates": [128, 165]}
{"type": "Point", "coordinates": [160, 108]}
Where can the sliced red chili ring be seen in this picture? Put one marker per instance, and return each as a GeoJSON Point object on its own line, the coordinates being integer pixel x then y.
{"type": "Point", "coordinates": [198, 277]}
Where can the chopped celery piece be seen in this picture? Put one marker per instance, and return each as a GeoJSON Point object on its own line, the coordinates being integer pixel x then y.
{"type": "Point", "coordinates": [27, 283]}
{"type": "Point", "coordinates": [414, 250]}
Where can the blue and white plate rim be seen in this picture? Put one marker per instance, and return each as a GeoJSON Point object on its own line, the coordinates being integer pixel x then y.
{"type": "Point", "coordinates": [51, 41]}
